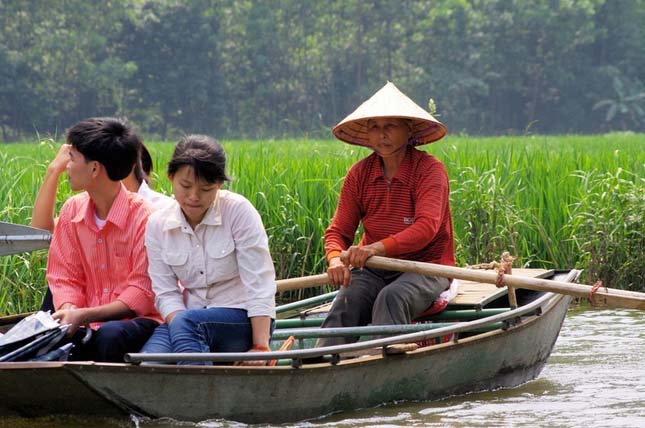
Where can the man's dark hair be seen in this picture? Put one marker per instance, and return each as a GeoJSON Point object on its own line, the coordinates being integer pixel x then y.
{"type": "Point", "coordinates": [204, 154]}
{"type": "Point", "coordinates": [108, 141]}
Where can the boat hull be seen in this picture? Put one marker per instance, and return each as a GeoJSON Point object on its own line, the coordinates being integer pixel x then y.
{"type": "Point", "coordinates": [497, 359]}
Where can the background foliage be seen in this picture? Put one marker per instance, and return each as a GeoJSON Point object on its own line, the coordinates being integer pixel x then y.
{"type": "Point", "coordinates": [554, 202]}
{"type": "Point", "coordinates": [248, 69]}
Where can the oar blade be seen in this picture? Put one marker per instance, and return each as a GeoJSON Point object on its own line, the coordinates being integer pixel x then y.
{"type": "Point", "coordinates": [16, 238]}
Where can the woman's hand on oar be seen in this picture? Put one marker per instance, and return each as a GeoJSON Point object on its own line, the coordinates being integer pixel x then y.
{"type": "Point", "coordinates": [339, 274]}
{"type": "Point", "coordinates": [356, 255]}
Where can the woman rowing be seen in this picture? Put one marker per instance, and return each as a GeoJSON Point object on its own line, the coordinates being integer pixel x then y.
{"type": "Point", "coordinates": [401, 197]}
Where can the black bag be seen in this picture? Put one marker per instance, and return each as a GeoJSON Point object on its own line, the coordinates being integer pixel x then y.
{"type": "Point", "coordinates": [32, 337]}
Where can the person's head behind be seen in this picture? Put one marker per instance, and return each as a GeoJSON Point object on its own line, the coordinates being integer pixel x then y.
{"type": "Point", "coordinates": [141, 170]}
{"type": "Point", "coordinates": [197, 170]}
{"type": "Point", "coordinates": [108, 141]}
{"type": "Point", "coordinates": [146, 162]}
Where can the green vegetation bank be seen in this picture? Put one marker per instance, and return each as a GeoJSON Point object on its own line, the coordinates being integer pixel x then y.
{"type": "Point", "coordinates": [554, 202]}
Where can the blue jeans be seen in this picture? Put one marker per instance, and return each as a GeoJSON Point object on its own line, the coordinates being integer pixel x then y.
{"type": "Point", "coordinates": [203, 330]}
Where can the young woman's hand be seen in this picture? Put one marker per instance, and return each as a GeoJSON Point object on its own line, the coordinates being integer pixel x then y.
{"type": "Point", "coordinates": [255, 362]}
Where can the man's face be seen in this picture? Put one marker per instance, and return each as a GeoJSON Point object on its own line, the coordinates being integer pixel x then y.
{"type": "Point", "coordinates": [79, 170]}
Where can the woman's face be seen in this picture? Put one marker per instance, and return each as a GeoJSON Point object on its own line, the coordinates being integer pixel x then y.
{"type": "Point", "coordinates": [388, 135]}
{"type": "Point", "coordinates": [194, 195]}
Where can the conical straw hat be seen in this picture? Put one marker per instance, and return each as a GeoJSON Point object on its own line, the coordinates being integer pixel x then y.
{"type": "Point", "coordinates": [389, 101]}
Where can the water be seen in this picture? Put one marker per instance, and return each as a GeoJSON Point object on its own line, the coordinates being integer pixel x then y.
{"type": "Point", "coordinates": [594, 378]}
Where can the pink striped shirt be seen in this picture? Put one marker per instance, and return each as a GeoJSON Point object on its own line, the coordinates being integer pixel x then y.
{"type": "Point", "coordinates": [89, 267]}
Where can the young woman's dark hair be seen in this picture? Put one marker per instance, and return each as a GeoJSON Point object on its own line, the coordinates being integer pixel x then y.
{"type": "Point", "coordinates": [204, 154]}
{"type": "Point", "coordinates": [108, 141]}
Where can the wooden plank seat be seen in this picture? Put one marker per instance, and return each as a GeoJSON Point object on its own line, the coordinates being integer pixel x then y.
{"type": "Point", "coordinates": [477, 294]}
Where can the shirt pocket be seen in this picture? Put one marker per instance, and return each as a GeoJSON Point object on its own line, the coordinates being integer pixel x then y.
{"type": "Point", "coordinates": [222, 261]}
{"type": "Point", "coordinates": [177, 260]}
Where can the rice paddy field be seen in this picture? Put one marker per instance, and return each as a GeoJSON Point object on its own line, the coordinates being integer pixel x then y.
{"type": "Point", "coordinates": [552, 201]}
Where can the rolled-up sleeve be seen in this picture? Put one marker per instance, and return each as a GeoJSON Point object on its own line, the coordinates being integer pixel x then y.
{"type": "Point", "coordinates": [168, 295]}
{"type": "Point", "coordinates": [254, 261]}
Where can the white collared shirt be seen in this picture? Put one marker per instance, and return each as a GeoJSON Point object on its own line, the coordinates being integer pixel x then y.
{"type": "Point", "coordinates": [155, 199]}
{"type": "Point", "coordinates": [224, 262]}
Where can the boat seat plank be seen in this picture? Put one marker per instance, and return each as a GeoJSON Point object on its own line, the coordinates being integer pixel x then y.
{"type": "Point", "coordinates": [479, 294]}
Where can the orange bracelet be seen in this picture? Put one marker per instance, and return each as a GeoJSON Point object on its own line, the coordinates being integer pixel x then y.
{"type": "Point", "coordinates": [261, 348]}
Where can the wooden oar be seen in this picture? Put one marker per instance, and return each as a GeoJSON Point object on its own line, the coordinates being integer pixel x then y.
{"type": "Point", "coordinates": [16, 238]}
{"type": "Point", "coordinates": [603, 296]}
{"type": "Point", "coordinates": [302, 282]}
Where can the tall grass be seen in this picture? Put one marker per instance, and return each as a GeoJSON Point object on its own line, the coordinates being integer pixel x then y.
{"type": "Point", "coordinates": [554, 202]}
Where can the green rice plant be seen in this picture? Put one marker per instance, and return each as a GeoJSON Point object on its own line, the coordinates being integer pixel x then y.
{"type": "Point", "coordinates": [22, 279]}
{"type": "Point", "coordinates": [608, 229]}
{"type": "Point", "coordinates": [486, 223]}
{"type": "Point", "coordinates": [554, 202]}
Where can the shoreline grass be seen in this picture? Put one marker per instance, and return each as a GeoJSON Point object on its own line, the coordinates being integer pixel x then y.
{"type": "Point", "coordinates": [553, 201]}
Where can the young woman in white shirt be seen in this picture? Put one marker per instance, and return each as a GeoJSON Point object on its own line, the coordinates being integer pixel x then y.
{"type": "Point", "coordinates": [209, 260]}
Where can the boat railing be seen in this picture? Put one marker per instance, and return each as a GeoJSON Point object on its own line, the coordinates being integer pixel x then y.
{"type": "Point", "coordinates": [508, 318]}
{"type": "Point", "coordinates": [323, 298]}
{"type": "Point", "coordinates": [372, 330]}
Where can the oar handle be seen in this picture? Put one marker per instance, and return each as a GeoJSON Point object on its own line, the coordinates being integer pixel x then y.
{"type": "Point", "coordinates": [302, 282]}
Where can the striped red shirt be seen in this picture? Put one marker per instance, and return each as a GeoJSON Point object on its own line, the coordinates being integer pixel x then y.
{"type": "Point", "coordinates": [410, 215]}
{"type": "Point", "coordinates": [89, 267]}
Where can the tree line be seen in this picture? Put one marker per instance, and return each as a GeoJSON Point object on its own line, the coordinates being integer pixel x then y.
{"type": "Point", "coordinates": [254, 69]}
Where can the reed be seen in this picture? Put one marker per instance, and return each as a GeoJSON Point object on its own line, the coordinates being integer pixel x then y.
{"type": "Point", "coordinates": [555, 202]}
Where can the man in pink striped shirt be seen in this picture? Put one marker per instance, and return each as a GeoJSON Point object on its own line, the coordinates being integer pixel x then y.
{"type": "Point", "coordinates": [97, 266]}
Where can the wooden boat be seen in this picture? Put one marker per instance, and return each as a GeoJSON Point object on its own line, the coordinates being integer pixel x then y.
{"type": "Point", "coordinates": [490, 346]}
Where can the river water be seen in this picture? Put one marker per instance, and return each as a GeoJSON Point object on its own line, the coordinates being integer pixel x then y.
{"type": "Point", "coordinates": [594, 378]}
